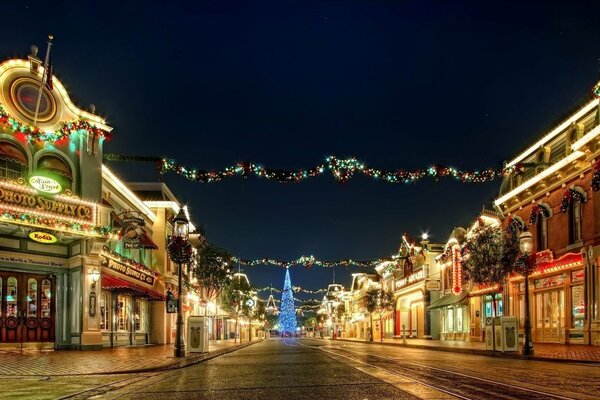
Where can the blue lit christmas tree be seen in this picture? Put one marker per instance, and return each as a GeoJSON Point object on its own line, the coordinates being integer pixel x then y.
{"type": "Point", "coordinates": [287, 311]}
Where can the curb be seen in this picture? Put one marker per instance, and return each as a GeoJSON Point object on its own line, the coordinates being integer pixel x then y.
{"type": "Point", "coordinates": [175, 364]}
{"type": "Point", "coordinates": [487, 353]}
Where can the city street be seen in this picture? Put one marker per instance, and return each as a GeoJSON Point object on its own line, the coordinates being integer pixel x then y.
{"type": "Point", "coordinates": [313, 368]}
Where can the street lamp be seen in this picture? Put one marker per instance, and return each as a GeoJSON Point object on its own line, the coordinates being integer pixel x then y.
{"type": "Point", "coordinates": [180, 252]}
{"type": "Point", "coordinates": [526, 267]}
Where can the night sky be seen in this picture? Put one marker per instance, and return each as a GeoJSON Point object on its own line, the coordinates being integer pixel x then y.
{"type": "Point", "coordinates": [396, 84]}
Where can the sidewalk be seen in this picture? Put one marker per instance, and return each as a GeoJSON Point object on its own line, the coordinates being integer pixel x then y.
{"type": "Point", "coordinates": [543, 351]}
{"type": "Point", "coordinates": [107, 361]}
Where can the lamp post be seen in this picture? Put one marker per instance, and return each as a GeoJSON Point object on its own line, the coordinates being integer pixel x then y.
{"type": "Point", "coordinates": [180, 251]}
{"type": "Point", "coordinates": [527, 264]}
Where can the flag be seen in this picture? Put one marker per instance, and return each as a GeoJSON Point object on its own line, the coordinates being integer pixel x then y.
{"type": "Point", "coordinates": [49, 84]}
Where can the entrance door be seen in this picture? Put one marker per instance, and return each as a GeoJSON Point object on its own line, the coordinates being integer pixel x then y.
{"type": "Point", "coordinates": [550, 315]}
{"type": "Point", "coordinates": [27, 308]}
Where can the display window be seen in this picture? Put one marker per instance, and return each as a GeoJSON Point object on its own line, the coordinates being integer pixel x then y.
{"type": "Point", "coordinates": [104, 311]}
{"type": "Point", "coordinates": [141, 307]}
{"type": "Point", "coordinates": [488, 306]}
{"type": "Point", "coordinates": [11, 296]}
{"type": "Point", "coordinates": [459, 319]}
{"type": "Point", "coordinates": [46, 298]}
{"type": "Point", "coordinates": [578, 306]}
{"type": "Point", "coordinates": [450, 320]}
{"type": "Point", "coordinates": [123, 312]}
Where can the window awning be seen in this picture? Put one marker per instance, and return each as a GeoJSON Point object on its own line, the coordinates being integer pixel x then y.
{"type": "Point", "coordinates": [9, 152]}
{"type": "Point", "coordinates": [118, 285]}
{"type": "Point", "coordinates": [448, 300]}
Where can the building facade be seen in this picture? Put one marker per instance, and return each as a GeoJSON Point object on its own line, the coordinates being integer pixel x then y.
{"type": "Point", "coordinates": [555, 198]}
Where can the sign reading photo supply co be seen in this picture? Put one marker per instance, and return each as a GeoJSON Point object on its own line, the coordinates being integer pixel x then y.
{"type": "Point", "coordinates": [142, 276]}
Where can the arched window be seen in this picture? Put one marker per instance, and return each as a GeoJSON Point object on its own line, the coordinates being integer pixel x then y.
{"type": "Point", "coordinates": [58, 168]}
{"type": "Point", "coordinates": [574, 222]}
{"type": "Point", "coordinates": [13, 162]}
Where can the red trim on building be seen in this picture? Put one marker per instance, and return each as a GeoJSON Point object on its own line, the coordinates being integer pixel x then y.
{"type": "Point", "coordinates": [119, 285]}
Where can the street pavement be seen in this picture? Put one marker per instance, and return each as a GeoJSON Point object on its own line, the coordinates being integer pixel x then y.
{"type": "Point", "coordinates": [323, 369]}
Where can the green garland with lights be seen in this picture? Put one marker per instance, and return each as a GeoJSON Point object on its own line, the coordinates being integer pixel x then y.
{"type": "Point", "coordinates": [295, 289]}
{"type": "Point", "coordinates": [309, 261]}
{"type": "Point", "coordinates": [34, 134]}
{"type": "Point", "coordinates": [341, 169]}
{"type": "Point", "coordinates": [52, 223]}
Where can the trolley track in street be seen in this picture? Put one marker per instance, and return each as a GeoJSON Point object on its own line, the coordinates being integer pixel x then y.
{"type": "Point", "coordinates": [454, 383]}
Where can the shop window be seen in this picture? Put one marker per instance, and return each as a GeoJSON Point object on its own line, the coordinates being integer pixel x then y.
{"type": "Point", "coordinates": [449, 320]}
{"type": "Point", "coordinates": [46, 298]}
{"type": "Point", "coordinates": [58, 168]}
{"type": "Point", "coordinates": [459, 319]}
{"type": "Point", "coordinates": [11, 296]}
{"type": "Point", "coordinates": [32, 297]}
{"type": "Point", "coordinates": [123, 312]}
{"type": "Point", "coordinates": [574, 222]}
{"type": "Point", "coordinates": [140, 315]}
{"type": "Point", "coordinates": [489, 306]}
{"type": "Point", "coordinates": [521, 311]}
{"type": "Point", "coordinates": [578, 304]}
{"type": "Point", "coordinates": [13, 162]}
{"type": "Point", "coordinates": [104, 317]}
{"type": "Point", "coordinates": [542, 233]}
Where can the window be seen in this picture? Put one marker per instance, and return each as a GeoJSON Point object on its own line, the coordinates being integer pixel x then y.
{"type": "Point", "coordinates": [58, 168]}
{"type": "Point", "coordinates": [578, 306]}
{"type": "Point", "coordinates": [11, 297]}
{"type": "Point", "coordinates": [140, 315]}
{"type": "Point", "coordinates": [123, 310]}
{"type": "Point", "coordinates": [459, 319]}
{"type": "Point", "coordinates": [574, 221]}
{"type": "Point", "coordinates": [104, 317]}
{"type": "Point", "coordinates": [13, 162]}
{"type": "Point", "coordinates": [449, 320]}
{"type": "Point", "coordinates": [542, 233]}
{"type": "Point", "coordinates": [31, 297]}
{"type": "Point", "coordinates": [46, 298]}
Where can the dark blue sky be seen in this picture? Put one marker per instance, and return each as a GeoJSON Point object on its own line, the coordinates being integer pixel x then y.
{"type": "Point", "coordinates": [398, 84]}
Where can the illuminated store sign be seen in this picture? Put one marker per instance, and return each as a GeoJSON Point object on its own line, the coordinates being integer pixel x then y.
{"type": "Point", "coordinates": [19, 198]}
{"type": "Point", "coordinates": [144, 276]}
{"type": "Point", "coordinates": [43, 237]}
{"type": "Point", "coordinates": [417, 276]}
{"type": "Point", "coordinates": [44, 184]}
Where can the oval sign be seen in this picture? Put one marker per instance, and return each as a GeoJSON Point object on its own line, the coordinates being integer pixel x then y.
{"type": "Point", "coordinates": [43, 237]}
{"type": "Point", "coordinates": [45, 184]}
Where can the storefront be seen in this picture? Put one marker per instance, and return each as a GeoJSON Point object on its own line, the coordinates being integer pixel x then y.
{"type": "Point", "coordinates": [453, 316]}
{"type": "Point", "coordinates": [125, 303]}
{"type": "Point", "coordinates": [557, 299]}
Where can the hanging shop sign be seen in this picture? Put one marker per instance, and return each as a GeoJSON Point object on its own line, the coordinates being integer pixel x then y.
{"type": "Point", "coordinates": [416, 277]}
{"type": "Point", "coordinates": [171, 303]}
{"type": "Point", "coordinates": [43, 237]}
{"type": "Point", "coordinates": [45, 184]}
{"type": "Point", "coordinates": [132, 228]}
{"type": "Point", "coordinates": [145, 275]}
{"type": "Point", "coordinates": [433, 285]}
{"type": "Point", "coordinates": [18, 198]}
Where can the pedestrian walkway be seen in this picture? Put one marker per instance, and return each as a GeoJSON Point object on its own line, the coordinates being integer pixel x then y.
{"type": "Point", "coordinates": [106, 361]}
{"type": "Point", "coordinates": [543, 351]}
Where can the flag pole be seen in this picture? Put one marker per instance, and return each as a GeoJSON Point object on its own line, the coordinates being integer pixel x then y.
{"type": "Point", "coordinates": [44, 78]}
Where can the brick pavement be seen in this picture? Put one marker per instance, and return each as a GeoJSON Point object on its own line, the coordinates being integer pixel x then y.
{"type": "Point", "coordinates": [543, 351]}
{"type": "Point", "coordinates": [106, 361]}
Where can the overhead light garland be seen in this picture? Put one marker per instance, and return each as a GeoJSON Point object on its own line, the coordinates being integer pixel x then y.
{"type": "Point", "coordinates": [341, 169]}
{"type": "Point", "coordinates": [309, 261]}
{"type": "Point", "coordinates": [295, 289]}
{"type": "Point", "coordinates": [34, 134]}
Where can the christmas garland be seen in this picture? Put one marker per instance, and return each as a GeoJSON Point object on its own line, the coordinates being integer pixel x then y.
{"type": "Point", "coordinates": [179, 250]}
{"type": "Point", "coordinates": [536, 211]}
{"type": "Point", "coordinates": [309, 261]}
{"type": "Point", "coordinates": [568, 197]}
{"type": "Point", "coordinates": [33, 134]}
{"type": "Point", "coordinates": [341, 169]}
{"type": "Point", "coordinates": [53, 223]}
{"type": "Point", "coordinates": [295, 289]}
{"type": "Point", "coordinates": [515, 224]}
{"type": "Point", "coordinates": [596, 177]}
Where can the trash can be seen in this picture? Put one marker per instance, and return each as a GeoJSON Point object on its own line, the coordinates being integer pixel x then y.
{"type": "Point", "coordinates": [489, 335]}
{"type": "Point", "coordinates": [197, 336]}
{"type": "Point", "coordinates": [509, 334]}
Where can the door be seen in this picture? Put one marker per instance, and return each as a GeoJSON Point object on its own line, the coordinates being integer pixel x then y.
{"type": "Point", "coordinates": [27, 308]}
{"type": "Point", "coordinates": [550, 318]}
